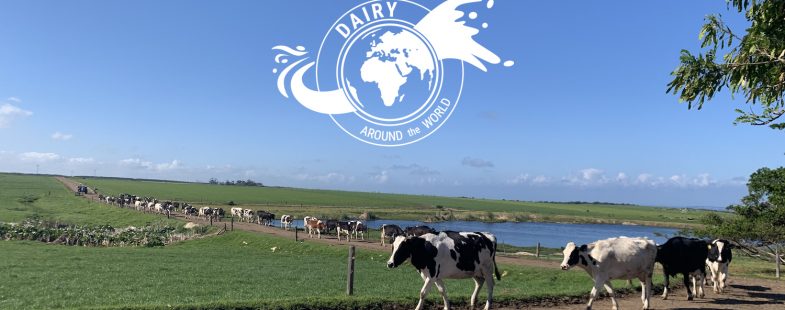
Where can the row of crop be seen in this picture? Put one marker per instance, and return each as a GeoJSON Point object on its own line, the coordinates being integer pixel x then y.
{"type": "Point", "coordinates": [97, 235]}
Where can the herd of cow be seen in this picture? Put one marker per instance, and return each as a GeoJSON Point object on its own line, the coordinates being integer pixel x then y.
{"type": "Point", "coordinates": [449, 254]}
{"type": "Point", "coordinates": [455, 255]}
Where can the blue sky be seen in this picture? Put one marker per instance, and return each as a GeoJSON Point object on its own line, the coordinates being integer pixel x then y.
{"type": "Point", "coordinates": [184, 90]}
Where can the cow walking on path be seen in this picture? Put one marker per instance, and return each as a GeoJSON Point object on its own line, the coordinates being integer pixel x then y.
{"type": "Point", "coordinates": [685, 256]}
{"type": "Point", "coordinates": [615, 258]}
{"type": "Point", "coordinates": [449, 255]}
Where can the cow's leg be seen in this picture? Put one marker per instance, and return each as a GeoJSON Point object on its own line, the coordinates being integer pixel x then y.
{"type": "Point", "coordinates": [687, 285]}
{"type": "Point", "coordinates": [443, 290]}
{"type": "Point", "coordinates": [609, 289]}
{"type": "Point", "coordinates": [722, 276]}
{"type": "Point", "coordinates": [598, 284]}
{"type": "Point", "coordinates": [645, 290]}
{"type": "Point", "coordinates": [478, 281]}
{"type": "Point", "coordinates": [665, 284]}
{"type": "Point", "coordinates": [702, 275]}
{"type": "Point", "coordinates": [424, 292]}
{"type": "Point", "coordinates": [489, 284]}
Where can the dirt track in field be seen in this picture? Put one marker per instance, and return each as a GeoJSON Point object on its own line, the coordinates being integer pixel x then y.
{"type": "Point", "coordinates": [743, 294]}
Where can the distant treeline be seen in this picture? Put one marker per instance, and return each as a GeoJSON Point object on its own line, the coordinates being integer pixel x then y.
{"type": "Point", "coordinates": [248, 182]}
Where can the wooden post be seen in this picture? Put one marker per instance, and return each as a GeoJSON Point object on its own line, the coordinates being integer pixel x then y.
{"type": "Point", "coordinates": [224, 226]}
{"type": "Point", "coordinates": [211, 221]}
{"type": "Point", "coordinates": [538, 250]}
{"type": "Point", "coordinates": [295, 233]}
{"type": "Point", "coordinates": [350, 273]}
{"type": "Point", "coordinates": [232, 223]}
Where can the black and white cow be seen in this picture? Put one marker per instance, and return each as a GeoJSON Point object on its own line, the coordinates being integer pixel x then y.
{"type": "Point", "coordinates": [286, 221]}
{"type": "Point", "coordinates": [343, 228]}
{"type": "Point", "coordinates": [449, 255]}
{"type": "Point", "coordinates": [418, 231]}
{"type": "Point", "coordinates": [358, 229]}
{"type": "Point", "coordinates": [615, 258]}
{"type": "Point", "coordinates": [685, 256]}
{"type": "Point", "coordinates": [390, 231]}
{"type": "Point", "coordinates": [719, 258]}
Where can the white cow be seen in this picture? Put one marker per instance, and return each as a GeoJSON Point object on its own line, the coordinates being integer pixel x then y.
{"type": "Point", "coordinates": [449, 255]}
{"type": "Point", "coordinates": [615, 258]}
{"type": "Point", "coordinates": [718, 260]}
{"type": "Point", "coordinates": [236, 212]}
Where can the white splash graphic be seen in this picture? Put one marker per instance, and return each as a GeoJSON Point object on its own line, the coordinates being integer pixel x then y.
{"type": "Point", "coordinates": [449, 38]}
{"type": "Point", "coordinates": [453, 39]}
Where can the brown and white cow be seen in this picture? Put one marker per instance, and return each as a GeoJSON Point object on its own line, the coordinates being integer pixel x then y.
{"type": "Point", "coordinates": [615, 258]}
{"type": "Point", "coordinates": [449, 255]}
{"type": "Point", "coordinates": [314, 225]}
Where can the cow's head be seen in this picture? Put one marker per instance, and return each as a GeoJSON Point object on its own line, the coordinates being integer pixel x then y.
{"type": "Point", "coordinates": [574, 255]}
{"type": "Point", "coordinates": [402, 250]}
{"type": "Point", "coordinates": [719, 250]}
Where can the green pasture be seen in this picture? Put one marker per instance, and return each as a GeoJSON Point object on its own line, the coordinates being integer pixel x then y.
{"type": "Point", "coordinates": [395, 206]}
{"type": "Point", "coordinates": [28, 196]}
{"type": "Point", "coordinates": [237, 269]}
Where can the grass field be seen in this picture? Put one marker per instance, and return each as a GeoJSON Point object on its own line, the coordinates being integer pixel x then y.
{"type": "Point", "coordinates": [234, 270]}
{"type": "Point", "coordinates": [27, 196]}
{"type": "Point", "coordinates": [395, 206]}
{"type": "Point", "coordinates": [237, 269]}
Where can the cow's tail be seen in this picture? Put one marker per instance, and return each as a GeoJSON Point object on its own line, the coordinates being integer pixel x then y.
{"type": "Point", "coordinates": [495, 267]}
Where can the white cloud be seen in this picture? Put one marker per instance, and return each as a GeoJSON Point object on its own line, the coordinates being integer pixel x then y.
{"type": "Point", "coordinates": [10, 112]}
{"type": "Point", "coordinates": [519, 179]}
{"type": "Point", "coordinates": [62, 136]}
{"type": "Point", "coordinates": [136, 163]}
{"type": "Point", "coordinates": [81, 160]}
{"type": "Point", "coordinates": [14, 99]}
{"type": "Point", "coordinates": [476, 162]}
{"type": "Point", "coordinates": [175, 164]}
{"type": "Point", "coordinates": [382, 177]}
{"type": "Point", "coordinates": [38, 157]}
{"type": "Point", "coordinates": [643, 178]}
{"type": "Point", "coordinates": [540, 179]}
{"type": "Point", "coordinates": [591, 174]}
{"type": "Point", "coordinates": [332, 177]}
{"type": "Point", "coordinates": [621, 177]}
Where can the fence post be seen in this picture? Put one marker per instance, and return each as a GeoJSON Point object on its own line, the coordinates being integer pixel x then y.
{"type": "Point", "coordinates": [232, 223]}
{"type": "Point", "coordinates": [538, 250]}
{"type": "Point", "coordinates": [295, 233]}
{"type": "Point", "coordinates": [224, 226]}
{"type": "Point", "coordinates": [350, 273]}
{"type": "Point", "coordinates": [211, 221]}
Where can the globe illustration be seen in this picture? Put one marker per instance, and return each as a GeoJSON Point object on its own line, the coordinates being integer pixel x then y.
{"type": "Point", "coordinates": [390, 73]}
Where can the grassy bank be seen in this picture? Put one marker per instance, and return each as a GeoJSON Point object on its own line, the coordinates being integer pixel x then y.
{"type": "Point", "coordinates": [28, 196]}
{"type": "Point", "coordinates": [237, 268]}
{"type": "Point", "coordinates": [338, 204]}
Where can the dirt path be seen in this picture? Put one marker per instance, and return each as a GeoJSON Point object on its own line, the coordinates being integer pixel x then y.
{"type": "Point", "coordinates": [744, 294]}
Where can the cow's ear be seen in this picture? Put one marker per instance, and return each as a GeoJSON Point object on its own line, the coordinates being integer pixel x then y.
{"type": "Point", "coordinates": [709, 246]}
{"type": "Point", "coordinates": [584, 248]}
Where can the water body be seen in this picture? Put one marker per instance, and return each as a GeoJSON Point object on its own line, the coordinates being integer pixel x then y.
{"type": "Point", "coordinates": [552, 235]}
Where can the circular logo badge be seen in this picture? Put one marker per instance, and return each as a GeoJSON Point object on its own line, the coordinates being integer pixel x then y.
{"type": "Point", "coordinates": [399, 87]}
